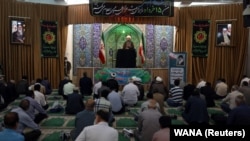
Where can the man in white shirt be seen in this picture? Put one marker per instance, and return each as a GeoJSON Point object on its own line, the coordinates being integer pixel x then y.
{"type": "Point", "coordinates": [130, 93]}
{"type": "Point", "coordinates": [101, 131]}
{"type": "Point", "coordinates": [68, 89]}
{"type": "Point", "coordinates": [96, 87]}
{"type": "Point", "coordinates": [40, 97]}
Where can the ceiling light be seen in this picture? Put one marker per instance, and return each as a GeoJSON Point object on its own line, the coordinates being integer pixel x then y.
{"type": "Point", "coordinates": [204, 3]}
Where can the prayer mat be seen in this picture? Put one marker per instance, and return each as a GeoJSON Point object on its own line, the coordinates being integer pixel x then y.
{"type": "Point", "coordinates": [71, 123]}
{"type": "Point", "coordinates": [126, 122]}
{"type": "Point", "coordinates": [174, 111]}
{"type": "Point", "coordinates": [53, 122]}
{"type": "Point", "coordinates": [55, 136]}
{"type": "Point", "coordinates": [178, 122]}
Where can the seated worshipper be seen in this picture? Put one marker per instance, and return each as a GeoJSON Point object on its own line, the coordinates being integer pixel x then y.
{"type": "Point", "coordinates": [22, 86]}
{"type": "Point", "coordinates": [103, 104]}
{"type": "Point", "coordinates": [195, 112]}
{"type": "Point", "coordinates": [45, 82]}
{"type": "Point", "coordinates": [61, 85]}
{"type": "Point", "coordinates": [96, 87]}
{"type": "Point", "coordinates": [10, 133]}
{"type": "Point", "coordinates": [130, 93]}
{"type": "Point", "coordinates": [116, 101]}
{"type": "Point", "coordinates": [83, 119]}
{"type": "Point", "coordinates": [164, 133]}
{"type": "Point", "coordinates": [240, 115]}
{"type": "Point", "coordinates": [86, 85]}
{"type": "Point", "coordinates": [38, 81]}
{"type": "Point", "coordinates": [11, 87]}
{"type": "Point", "coordinates": [229, 103]}
{"type": "Point", "coordinates": [160, 87]}
{"type": "Point", "coordinates": [25, 121]}
{"type": "Point", "coordinates": [159, 99]}
{"type": "Point", "coordinates": [188, 90]}
{"type": "Point", "coordinates": [144, 105]}
{"type": "Point", "coordinates": [151, 84]}
{"type": "Point", "coordinates": [35, 111]}
{"type": "Point", "coordinates": [176, 94]}
{"type": "Point", "coordinates": [68, 89]}
{"type": "Point", "coordinates": [221, 89]}
{"type": "Point", "coordinates": [101, 131]}
{"type": "Point", "coordinates": [148, 122]}
{"type": "Point", "coordinates": [208, 93]}
{"type": "Point", "coordinates": [202, 83]}
{"type": "Point", "coordinates": [40, 97]}
{"type": "Point", "coordinates": [74, 103]}
{"type": "Point", "coordinates": [112, 82]}
{"type": "Point", "coordinates": [137, 82]}
{"type": "Point", "coordinates": [245, 90]}
{"type": "Point", "coordinates": [245, 78]}
{"type": "Point", "coordinates": [102, 88]}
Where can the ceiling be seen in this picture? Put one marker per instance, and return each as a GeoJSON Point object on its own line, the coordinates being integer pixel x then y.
{"type": "Point", "coordinates": [178, 3]}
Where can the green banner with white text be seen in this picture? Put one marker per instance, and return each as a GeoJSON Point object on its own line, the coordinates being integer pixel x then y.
{"type": "Point", "coordinates": [200, 38]}
{"type": "Point", "coordinates": [49, 39]}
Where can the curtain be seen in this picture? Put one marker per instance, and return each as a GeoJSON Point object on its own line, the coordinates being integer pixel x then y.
{"type": "Point", "coordinates": [18, 60]}
{"type": "Point", "coordinates": [222, 62]}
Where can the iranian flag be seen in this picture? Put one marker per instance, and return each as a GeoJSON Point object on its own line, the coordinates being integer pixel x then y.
{"type": "Point", "coordinates": [141, 53]}
{"type": "Point", "coordinates": [102, 55]}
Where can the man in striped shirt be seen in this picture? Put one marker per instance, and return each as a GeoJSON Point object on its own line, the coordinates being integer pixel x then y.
{"type": "Point", "coordinates": [175, 94]}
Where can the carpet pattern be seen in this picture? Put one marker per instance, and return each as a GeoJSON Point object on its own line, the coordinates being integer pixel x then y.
{"type": "Point", "coordinates": [58, 122]}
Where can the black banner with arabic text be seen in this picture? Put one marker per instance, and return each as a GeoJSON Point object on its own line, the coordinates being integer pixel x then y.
{"type": "Point", "coordinates": [200, 38]}
{"type": "Point", "coordinates": [49, 39]}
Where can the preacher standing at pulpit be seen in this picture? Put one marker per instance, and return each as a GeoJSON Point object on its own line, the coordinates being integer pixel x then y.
{"type": "Point", "coordinates": [126, 57]}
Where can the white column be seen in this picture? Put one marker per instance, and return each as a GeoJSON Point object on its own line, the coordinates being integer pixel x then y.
{"type": "Point", "coordinates": [69, 48]}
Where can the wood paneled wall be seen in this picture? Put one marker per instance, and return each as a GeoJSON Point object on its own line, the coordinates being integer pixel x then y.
{"type": "Point", "coordinates": [18, 60]}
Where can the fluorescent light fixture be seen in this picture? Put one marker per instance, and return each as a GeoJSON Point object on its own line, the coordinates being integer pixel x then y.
{"type": "Point", "coordinates": [77, 1]}
{"type": "Point", "coordinates": [246, 11]}
{"type": "Point", "coordinates": [204, 3]}
{"type": "Point", "coordinates": [176, 4]}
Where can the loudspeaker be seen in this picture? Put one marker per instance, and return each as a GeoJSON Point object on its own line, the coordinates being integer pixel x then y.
{"type": "Point", "coordinates": [246, 18]}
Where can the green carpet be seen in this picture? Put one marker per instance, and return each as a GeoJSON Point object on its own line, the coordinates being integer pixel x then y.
{"type": "Point", "coordinates": [214, 111]}
{"type": "Point", "coordinates": [71, 123]}
{"type": "Point", "coordinates": [174, 112]}
{"type": "Point", "coordinates": [126, 122]}
{"type": "Point", "coordinates": [52, 137]}
{"type": "Point", "coordinates": [53, 122]}
{"type": "Point", "coordinates": [178, 122]}
{"type": "Point", "coordinates": [123, 138]}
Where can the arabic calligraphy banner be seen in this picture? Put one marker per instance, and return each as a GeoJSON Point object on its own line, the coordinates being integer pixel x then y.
{"type": "Point", "coordinates": [145, 8]}
{"type": "Point", "coordinates": [48, 39]}
{"type": "Point", "coordinates": [200, 38]}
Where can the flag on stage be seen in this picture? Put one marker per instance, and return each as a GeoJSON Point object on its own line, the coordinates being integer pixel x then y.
{"type": "Point", "coordinates": [141, 53]}
{"type": "Point", "coordinates": [102, 55]}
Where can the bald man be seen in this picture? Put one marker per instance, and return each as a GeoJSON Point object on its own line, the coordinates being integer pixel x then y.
{"type": "Point", "coordinates": [148, 121]}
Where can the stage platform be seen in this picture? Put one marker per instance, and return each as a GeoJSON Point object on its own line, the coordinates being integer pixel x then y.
{"type": "Point", "coordinates": [153, 72]}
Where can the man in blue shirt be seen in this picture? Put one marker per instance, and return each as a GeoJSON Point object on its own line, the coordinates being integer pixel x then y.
{"type": "Point", "coordinates": [26, 121]}
{"type": "Point", "coordinates": [83, 119]}
{"type": "Point", "coordinates": [9, 133]}
{"type": "Point", "coordinates": [35, 111]}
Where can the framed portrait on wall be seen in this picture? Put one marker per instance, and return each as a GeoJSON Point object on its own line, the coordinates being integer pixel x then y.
{"type": "Point", "coordinates": [17, 31]}
{"type": "Point", "coordinates": [225, 33]}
